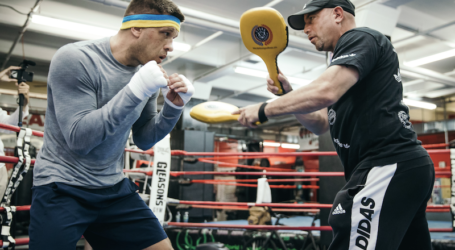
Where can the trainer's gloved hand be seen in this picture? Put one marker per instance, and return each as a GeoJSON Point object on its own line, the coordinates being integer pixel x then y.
{"type": "Point", "coordinates": [179, 91]}
{"type": "Point", "coordinates": [284, 81]}
{"type": "Point", "coordinates": [148, 80]}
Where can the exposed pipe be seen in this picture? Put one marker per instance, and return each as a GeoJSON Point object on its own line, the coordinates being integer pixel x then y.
{"type": "Point", "coordinates": [273, 3]}
{"type": "Point", "coordinates": [206, 40]}
{"type": "Point", "coordinates": [446, 133]}
{"type": "Point", "coordinates": [206, 20]}
{"type": "Point", "coordinates": [114, 3]}
{"type": "Point", "coordinates": [451, 73]}
{"type": "Point", "coordinates": [21, 33]}
{"type": "Point", "coordinates": [432, 75]}
{"type": "Point", "coordinates": [423, 33]}
{"type": "Point", "coordinates": [212, 71]}
{"type": "Point", "coordinates": [237, 93]}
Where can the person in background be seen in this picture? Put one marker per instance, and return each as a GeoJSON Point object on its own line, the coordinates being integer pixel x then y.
{"type": "Point", "coordinates": [12, 119]}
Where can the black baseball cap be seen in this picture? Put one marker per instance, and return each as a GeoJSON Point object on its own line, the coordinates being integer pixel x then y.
{"type": "Point", "coordinates": [297, 22]}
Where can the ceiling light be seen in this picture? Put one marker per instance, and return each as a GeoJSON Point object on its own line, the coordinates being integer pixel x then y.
{"type": "Point", "coordinates": [72, 26]}
{"type": "Point", "coordinates": [430, 59]}
{"type": "Point", "coordinates": [181, 46]}
{"type": "Point", "coordinates": [273, 99]}
{"type": "Point", "coordinates": [263, 74]}
{"type": "Point", "coordinates": [299, 81]}
{"type": "Point", "coordinates": [271, 144]}
{"type": "Point", "coordinates": [273, 3]}
{"type": "Point", "coordinates": [419, 104]}
{"type": "Point", "coordinates": [289, 145]}
{"type": "Point", "coordinates": [89, 29]}
{"type": "Point", "coordinates": [251, 72]}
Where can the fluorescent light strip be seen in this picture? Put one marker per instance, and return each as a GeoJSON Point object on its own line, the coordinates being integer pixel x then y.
{"type": "Point", "coordinates": [68, 25]}
{"type": "Point", "coordinates": [271, 144]}
{"type": "Point", "coordinates": [263, 74]}
{"type": "Point", "coordinates": [289, 145]}
{"type": "Point", "coordinates": [273, 3]}
{"type": "Point", "coordinates": [181, 46]}
{"type": "Point", "coordinates": [89, 29]}
{"type": "Point", "coordinates": [430, 59]}
{"type": "Point", "coordinates": [283, 145]}
{"type": "Point", "coordinates": [419, 104]}
{"type": "Point", "coordinates": [209, 17]}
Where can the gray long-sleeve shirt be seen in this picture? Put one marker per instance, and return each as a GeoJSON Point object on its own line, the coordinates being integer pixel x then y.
{"type": "Point", "coordinates": [89, 115]}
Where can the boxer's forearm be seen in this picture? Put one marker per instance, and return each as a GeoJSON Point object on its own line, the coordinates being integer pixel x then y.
{"type": "Point", "coordinates": [85, 127]}
{"type": "Point", "coordinates": [316, 121]}
{"type": "Point", "coordinates": [148, 131]}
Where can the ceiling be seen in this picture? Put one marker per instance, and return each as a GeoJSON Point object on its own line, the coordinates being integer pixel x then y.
{"type": "Point", "coordinates": [422, 28]}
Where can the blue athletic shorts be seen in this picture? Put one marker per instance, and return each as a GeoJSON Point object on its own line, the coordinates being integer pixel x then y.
{"type": "Point", "coordinates": [109, 218]}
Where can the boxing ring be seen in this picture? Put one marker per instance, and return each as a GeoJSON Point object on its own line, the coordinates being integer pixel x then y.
{"type": "Point", "coordinates": [438, 229]}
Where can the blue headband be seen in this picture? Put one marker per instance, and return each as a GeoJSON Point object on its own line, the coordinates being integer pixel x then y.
{"type": "Point", "coordinates": [150, 20]}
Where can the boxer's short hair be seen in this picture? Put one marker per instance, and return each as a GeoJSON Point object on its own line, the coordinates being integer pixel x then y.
{"type": "Point", "coordinates": [154, 7]}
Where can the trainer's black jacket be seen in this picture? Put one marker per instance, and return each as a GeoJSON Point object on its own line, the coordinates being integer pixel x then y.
{"type": "Point", "coordinates": [370, 124]}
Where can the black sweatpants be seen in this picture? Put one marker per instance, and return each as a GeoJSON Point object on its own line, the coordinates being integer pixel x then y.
{"type": "Point", "coordinates": [383, 208]}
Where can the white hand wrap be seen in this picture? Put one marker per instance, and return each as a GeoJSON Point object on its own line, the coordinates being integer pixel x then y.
{"type": "Point", "coordinates": [147, 80]}
{"type": "Point", "coordinates": [185, 96]}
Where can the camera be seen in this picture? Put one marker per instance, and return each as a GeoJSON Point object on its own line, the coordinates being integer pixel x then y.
{"type": "Point", "coordinates": [26, 76]}
{"type": "Point", "coordinates": [22, 75]}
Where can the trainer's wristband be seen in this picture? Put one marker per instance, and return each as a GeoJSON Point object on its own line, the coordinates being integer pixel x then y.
{"type": "Point", "coordinates": [261, 113]}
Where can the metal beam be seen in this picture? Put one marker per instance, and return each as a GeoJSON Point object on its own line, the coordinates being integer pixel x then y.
{"type": "Point", "coordinates": [206, 40]}
{"type": "Point", "coordinates": [213, 71]}
{"type": "Point", "coordinates": [432, 75]}
{"type": "Point", "coordinates": [21, 33]}
{"type": "Point", "coordinates": [425, 32]}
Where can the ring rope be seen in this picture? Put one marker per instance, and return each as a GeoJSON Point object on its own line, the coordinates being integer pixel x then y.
{"type": "Point", "coordinates": [255, 180]}
{"type": "Point", "coordinates": [220, 155]}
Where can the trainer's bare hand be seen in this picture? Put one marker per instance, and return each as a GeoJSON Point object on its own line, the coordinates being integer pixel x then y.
{"type": "Point", "coordinates": [24, 89]}
{"type": "Point", "coordinates": [248, 115]}
{"type": "Point", "coordinates": [4, 74]}
{"type": "Point", "coordinates": [284, 81]}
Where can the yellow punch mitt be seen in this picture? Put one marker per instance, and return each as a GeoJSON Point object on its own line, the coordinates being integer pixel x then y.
{"type": "Point", "coordinates": [264, 33]}
{"type": "Point", "coordinates": [214, 112]}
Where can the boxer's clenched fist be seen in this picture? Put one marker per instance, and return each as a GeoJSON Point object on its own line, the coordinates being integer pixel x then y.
{"type": "Point", "coordinates": [149, 79]}
{"type": "Point", "coordinates": [179, 91]}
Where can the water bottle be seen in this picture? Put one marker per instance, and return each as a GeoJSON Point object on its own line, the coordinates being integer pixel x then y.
{"type": "Point", "coordinates": [177, 217]}
{"type": "Point", "coordinates": [185, 217]}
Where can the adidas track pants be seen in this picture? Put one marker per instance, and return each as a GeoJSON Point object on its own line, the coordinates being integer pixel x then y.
{"type": "Point", "coordinates": [383, 208]}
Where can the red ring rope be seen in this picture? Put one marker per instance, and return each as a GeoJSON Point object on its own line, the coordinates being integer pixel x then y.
{"type": "Point", "coordinates": [25, 241]}
{"type": "Point", "coordinates": [259, 154]}
{"type": "Point", "coordinates": [256, 180]}
{"type": "Point", "coordinates": [17, 129]}
{"type": "Point", "coordinates": [442, 208]}
{"type": "Point", "coordinates": [224, 164]}
{"type": "Point", "coordinates": [181, 152]}
{"type": "Point", "coordinates": [267, 227]}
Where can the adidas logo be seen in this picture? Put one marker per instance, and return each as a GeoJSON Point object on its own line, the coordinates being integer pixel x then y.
{"type": "Point", "coordinates": [339, 210]}
{"type": "Point", "coordinates": [398, 76]}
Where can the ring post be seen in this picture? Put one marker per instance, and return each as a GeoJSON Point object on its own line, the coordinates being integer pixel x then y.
{"type": "Point", "coordinates": [160, 178]}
